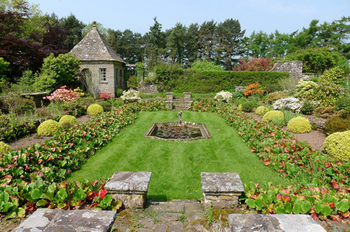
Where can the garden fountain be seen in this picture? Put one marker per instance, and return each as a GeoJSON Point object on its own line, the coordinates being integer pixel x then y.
{"type": "Point", "coordinates": [178, 131]}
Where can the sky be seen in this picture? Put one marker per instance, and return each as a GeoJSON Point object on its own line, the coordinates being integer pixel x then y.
{"type": "Point", "coordinates": [286, 16]}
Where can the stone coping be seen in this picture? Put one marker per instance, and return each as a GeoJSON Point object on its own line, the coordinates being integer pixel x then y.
{"type": "Point", "coordinates": [275, 222]}
{"type": "Point", "coordinates": [204, 130]}
{"type": "Point", "coordinates": [223, 182]}
{"type": "Point", "coordinates": [68, 220]}
{"type": "Point", "coordinates": [129, 182]}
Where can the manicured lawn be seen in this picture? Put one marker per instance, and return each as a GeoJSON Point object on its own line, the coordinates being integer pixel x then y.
{"type": "Point", "coordinates": [176, 166]}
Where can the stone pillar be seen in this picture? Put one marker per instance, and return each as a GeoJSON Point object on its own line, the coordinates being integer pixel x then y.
{"type": "Point", "coordinates": [187, 99]}
{"type": "Point", "coordinates": [221, 190]}
{"type": "Point", "coordinates": [169, 100]}
{"type": "Point", "coordinates": [130, 188]}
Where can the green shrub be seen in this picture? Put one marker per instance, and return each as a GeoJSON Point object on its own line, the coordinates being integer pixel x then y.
{"type": "Point", "coordinates": [299, 125]}
{"type": "Point", "coordinates": [334, 75]}
{"type": "Point", "coordinates": [107, 106]}
{"type": "Point", "coordinates": [75, 107]}
{"type": "Point", "coordinates": [272, 97]}
{"type": "Point", "coordinates": [67, 121]}
{"type": "Point", "coordinates": [17, 104]}
{"type": "Point", "coordinates": [343, 102]}
{"type": "Point", "coordinates": [4, 148]}
{"type": "Point", "coordinates": [261, 110]}
{"type": "Point", "coordinates": [248, 106]}
{"type": "Point", "coordinates": [132, 82]}
{"type": "Point", "coordinates": [305, 90]}
{"type": "Point", "coordinates": [176, 80]}
{"type": "Point", "coordinates": [338, 146]}
{"type": "Point", "coordinates": [273, 116]}
{"type": "Point", "coordinates": [4, 120]}
{"type": "Point", "coordinates": [48, 128]}
{"type": "Point", "coordinates": [308, 107]}
{"type": "Point", "coordinates": [337, 124]}
{"type": "Point", "coordinates": [118, 93]}
{"type": "Point", "coordinates": [94, 109]}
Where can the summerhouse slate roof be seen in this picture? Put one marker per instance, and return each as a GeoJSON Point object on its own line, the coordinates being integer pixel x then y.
{"type": "Point", "coordinates": [93, 47]}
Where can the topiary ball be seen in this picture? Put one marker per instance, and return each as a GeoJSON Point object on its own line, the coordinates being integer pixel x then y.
{"type": "Point", "coordinates": [48, 128]}
{"type": "Point", "coordinates": [4, 148]}
{"type": "Point", "coordinates": [299, 125]}
{"type": "Point", "coordinates": [261, 110]}
{"type": "Point", "coordinates": [94, 109]}
{"type": "Point", "coordinates": [67, 121]}
{"type": "Point", "coordinates": [338, 146]}
{"type": "Point", "coordinates": [273, 115]}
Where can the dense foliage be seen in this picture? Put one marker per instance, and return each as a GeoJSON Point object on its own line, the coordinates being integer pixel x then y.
{"type": "Point", "coordinates": [31, 177]}
{"type": "Point", "coordinates": [178, 80]}
{"type": "Point", "coordinates": [322, 181]}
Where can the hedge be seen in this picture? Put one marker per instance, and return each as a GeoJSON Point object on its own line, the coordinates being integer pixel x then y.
{"type": "Point", "coordinates": [214, 81]}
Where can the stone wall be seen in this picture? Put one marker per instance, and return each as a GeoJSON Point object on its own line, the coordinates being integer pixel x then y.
{"type": "Point", "coordinates": [295, 68]}
{"type": "Point", "coordinates": [114, 76]}
{"type": "Point", "coordinates": [148, 89]}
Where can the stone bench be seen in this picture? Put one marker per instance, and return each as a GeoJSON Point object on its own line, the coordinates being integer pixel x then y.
{"type": "Point", "coordinates": [130, 188]}
{"type": "Point", "coordinates": [221, 190]}
{"type": "Point", "coordinates": [273, 223]}
{"type": "Point", "coordinates": [68, 220]}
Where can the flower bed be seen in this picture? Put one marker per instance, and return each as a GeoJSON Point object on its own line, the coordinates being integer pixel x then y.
{"type": "Point", "coordinates": [323, 182]}
{"type": "Point", "coordinates": [31, 177]}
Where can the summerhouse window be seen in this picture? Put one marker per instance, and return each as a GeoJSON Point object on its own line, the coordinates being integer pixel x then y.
{"type": "Point", "coordinates": [103, 76]}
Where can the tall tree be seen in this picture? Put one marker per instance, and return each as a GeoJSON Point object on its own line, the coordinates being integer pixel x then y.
{"type": "Point", "coordinates": [206, 40]}
{"type": "Point", "coordinates": [191, 44]}
{"type": "Point", "coordinates": [20, 47]}
{"type": "Point", "coordinates": [74, 30]}
{"type": "Point", "coordinates": [155, 44]}
{"type": "Point", "coordinates": [227, 41]}
{"type": "Point", "coordinates": [176, 43]}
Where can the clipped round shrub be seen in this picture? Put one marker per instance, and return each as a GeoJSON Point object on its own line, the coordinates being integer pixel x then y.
{"type": "Point", "coordinates": [299, 125]}
{"type": "Point", "coordinates": [248, 106]}
{"type": "Point", "coordinates": [94, 109]}
{"type": "Point", "coordinates": [4, 148]}
{"type": "Point", "coordinates": [273, 115]}
{"type": "Point", "coordinates": [48, 128]}
{"type": "Point", "coordinates": [107, 106]}
{"type": "Point", "coordinates": [338, 146]}
{"type": "Point", "coordinates": [67, 121]}
{"type": "Point", "coordinates": [337, 124]}
{"type": "Point", "coordinates": [261, 110]}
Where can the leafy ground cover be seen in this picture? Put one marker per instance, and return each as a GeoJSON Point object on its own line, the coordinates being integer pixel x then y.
{"type": "Point", "coordinates": [32, 177]}
{"type": "Point", "coordinates": [323, 182]}
{"type": "Point", "coordinates": [176, 166]}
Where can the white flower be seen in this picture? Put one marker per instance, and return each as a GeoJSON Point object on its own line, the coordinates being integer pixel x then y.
{"type": "Point", "coordinates": [289, 103]}
{"type": "Point", "coordinates": [223, 96]}
{"type": "Point", "coordinates": [131, 96]}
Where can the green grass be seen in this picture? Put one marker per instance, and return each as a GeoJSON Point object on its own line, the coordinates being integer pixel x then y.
{"type": "Point", "coordinates": [176, 166]}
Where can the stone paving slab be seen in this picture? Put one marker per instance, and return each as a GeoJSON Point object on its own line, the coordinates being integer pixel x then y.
{"type": "Point", "coordinates": [53, 220]}
{"type": "Point", "coordinates": [223, 182]}
{"type": "Point", "coordinates": [129, 181]}
{"type": "Point", "coordinates": [273, 223]}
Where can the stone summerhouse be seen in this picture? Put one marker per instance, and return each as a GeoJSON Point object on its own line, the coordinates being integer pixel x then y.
{"type": "Point", "coordinates": [102, 69]}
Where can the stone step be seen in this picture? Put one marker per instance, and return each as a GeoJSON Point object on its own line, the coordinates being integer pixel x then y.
{"type": "Point", "coordinates": [69, 220]}
{"type": "Point", "coordinates": [275, 222]}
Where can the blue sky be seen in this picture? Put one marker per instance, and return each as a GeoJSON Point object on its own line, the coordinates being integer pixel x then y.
{"type": "Point", "coordinates": [254, 15]}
